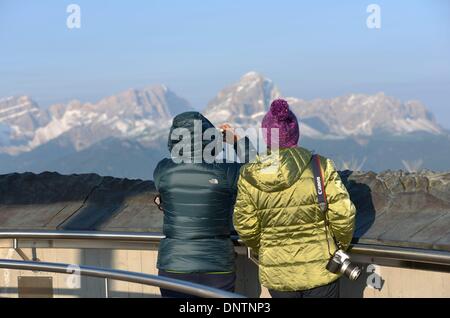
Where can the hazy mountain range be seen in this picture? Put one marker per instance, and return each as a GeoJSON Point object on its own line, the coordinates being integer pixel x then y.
{"type": "Point", "coordinates": [125, 135]}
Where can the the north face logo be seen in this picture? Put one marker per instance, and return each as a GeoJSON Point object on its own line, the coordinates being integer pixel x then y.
{"type": "Point", "coordinates": [214, 181]}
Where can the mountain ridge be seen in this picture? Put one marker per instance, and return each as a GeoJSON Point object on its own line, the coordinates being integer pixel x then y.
{"type": "Point", "coordinates": [129, 113]}
{"type": "Point", "coordinates": [136, 121]}
{"type": "Point", "coordinates": [350, 115]}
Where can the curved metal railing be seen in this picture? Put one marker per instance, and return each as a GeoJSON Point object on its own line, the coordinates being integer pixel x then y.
{"type": "Point", "coordinates": [403, 254]}
{"type": "Point", "coordinates": [83, 235]}
{"type": "Point", "coordinates": [110, 274]}
{"type": "Point", "coordinates": [382, 251]}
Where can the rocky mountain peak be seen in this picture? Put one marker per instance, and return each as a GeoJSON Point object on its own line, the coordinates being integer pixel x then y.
{"type": "Point", "coordinates": [365, 115]}
{"type": "Point", "coordinates": [254, 77]}
{"type": "Point", "coordinates": [244, 101]}
{"type": "Point", "coordinates": [131, 114]}
{"type": "Point", "coordinates": [18, 109]}
{"type": "Point", "coordinates": [20, 116]}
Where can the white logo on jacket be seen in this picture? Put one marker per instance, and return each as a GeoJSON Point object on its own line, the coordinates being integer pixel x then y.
{"type": "Point", "coordinates": [214, 181]}
{"type": "Point", "coordinates": [319, 186]}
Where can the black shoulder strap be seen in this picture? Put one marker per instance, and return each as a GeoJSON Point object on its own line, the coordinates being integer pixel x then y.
{"type": "Point", "coordinates": [319, 183]}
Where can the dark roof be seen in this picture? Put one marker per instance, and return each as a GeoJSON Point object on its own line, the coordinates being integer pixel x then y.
{"type": "Point", "coordinates": [394, 208]}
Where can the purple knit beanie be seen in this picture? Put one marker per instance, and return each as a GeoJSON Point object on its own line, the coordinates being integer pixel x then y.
{"type": "Point", "coordinates": [281, 117]}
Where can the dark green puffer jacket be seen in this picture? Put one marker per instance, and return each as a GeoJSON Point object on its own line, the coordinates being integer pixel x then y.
{"type": "Point", "coordinates": [198, 201]}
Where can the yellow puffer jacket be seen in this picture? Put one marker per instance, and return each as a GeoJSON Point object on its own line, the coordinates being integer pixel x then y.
{"type": "Point", "coordinates": [277, 214]}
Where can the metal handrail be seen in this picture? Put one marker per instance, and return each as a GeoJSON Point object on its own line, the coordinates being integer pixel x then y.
{"type": "Point", "coordinates": [139, 278]}
{"type": "Point", "coordinates": [382, 251]}
{"type": "Point", "coordinates": [403, 254]}
{"type": "Point", "coordinates": [83, 235]}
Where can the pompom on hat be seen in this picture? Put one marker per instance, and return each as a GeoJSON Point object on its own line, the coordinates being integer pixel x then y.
{"type": "Point", "coordinates": [282, 118]}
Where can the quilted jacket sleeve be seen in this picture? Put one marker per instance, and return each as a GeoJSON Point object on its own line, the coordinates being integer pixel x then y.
{"type": "Point", "coordinates": [341, 211]}
{"type": "Point", "coordinates": [157, 174]}
{"type": "Point", "coordinates": [245, 218]}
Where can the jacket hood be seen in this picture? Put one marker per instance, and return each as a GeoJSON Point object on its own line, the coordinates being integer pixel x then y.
{"type": "Point", "coordinates": [196, 124]}
{"type": "Point", "coordinates": [279, 170]}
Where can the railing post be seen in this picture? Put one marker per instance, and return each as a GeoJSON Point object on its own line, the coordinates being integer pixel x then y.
{"type": "Point", "coordinates": [19, 250]}
{"type": "Point", "coordinates": [106, 288]}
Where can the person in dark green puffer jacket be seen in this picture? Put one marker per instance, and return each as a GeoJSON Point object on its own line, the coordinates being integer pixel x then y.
{"type": "Point", "coordinates": [197, 200]}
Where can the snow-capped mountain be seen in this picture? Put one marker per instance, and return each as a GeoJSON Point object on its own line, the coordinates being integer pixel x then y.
{"type": "Point", "coordinates": [134, 114]}
{"type": "Point", "coordinates": [20, 117]}
{"type": "Point", "coordinates": [246, 102]}
{"type": "Point", "coordinates": [365, 115]}
{"type": "Point", "coordinates": [243, 103]}
{"type": "Point", "coordinates": [125, 135]}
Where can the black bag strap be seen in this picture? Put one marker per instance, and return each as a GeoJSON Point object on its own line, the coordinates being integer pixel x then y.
{"type": "Point", "coordinates": [319, 183]}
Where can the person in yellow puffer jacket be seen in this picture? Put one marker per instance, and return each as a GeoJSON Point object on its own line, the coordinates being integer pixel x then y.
{"type": "Point", "coordinates": [277, 214]}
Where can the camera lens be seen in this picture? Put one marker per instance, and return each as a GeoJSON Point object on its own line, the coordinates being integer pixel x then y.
{"type": "Point", "coordinates": [333, 266]}
{"type": "Point", "coordinates": [350, 270]}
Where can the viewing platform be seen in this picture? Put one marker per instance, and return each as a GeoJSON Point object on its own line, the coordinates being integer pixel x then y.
{"type": "Point", "coordinates": [403, 227]}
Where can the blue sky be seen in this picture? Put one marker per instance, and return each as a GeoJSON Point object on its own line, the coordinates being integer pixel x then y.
{"type": "Point", "coordinates": [309, 48]}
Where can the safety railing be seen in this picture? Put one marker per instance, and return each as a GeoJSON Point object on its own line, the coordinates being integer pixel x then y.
{"type": "Point", "coordinates": [118, 275]}
{"type": "Point", "coordinates": [381, 251]}
{"type": "Point", "coordinates": [83, 235]}
{"type": "Point", "coordinates": [403, 254]}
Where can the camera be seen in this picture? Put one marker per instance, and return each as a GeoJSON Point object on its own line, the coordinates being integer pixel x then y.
{"type": "Point", "coordinates": [340, 263]}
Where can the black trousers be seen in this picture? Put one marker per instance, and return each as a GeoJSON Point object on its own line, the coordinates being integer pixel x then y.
{"type": "Point", "coordinates": [327, 291]}
{"type": "Point", "coordinates": [224, 282]}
